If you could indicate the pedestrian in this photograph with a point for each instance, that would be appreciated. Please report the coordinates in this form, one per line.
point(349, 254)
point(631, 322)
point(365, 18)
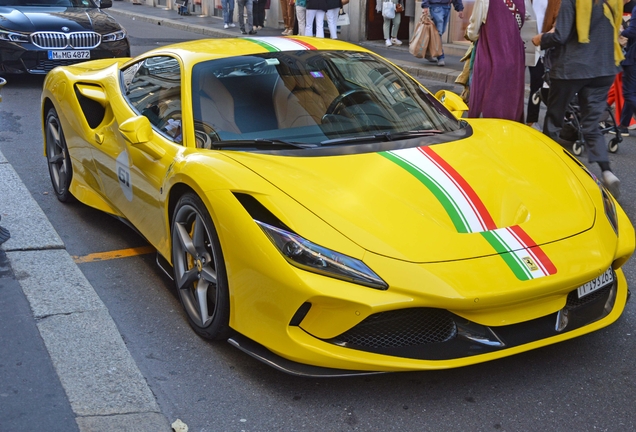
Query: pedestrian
point(316, 10)
point(287, 9)
point(584, 61)
point(391, 26)
point(629, 76)
point(439, 11)
point(259, 14)
point(497, 84)
point(249, 5)
point(301, 16)
point(228, 13)
point(333, 8)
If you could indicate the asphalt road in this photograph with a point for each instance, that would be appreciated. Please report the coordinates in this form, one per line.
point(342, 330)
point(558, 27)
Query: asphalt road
point(581, 385)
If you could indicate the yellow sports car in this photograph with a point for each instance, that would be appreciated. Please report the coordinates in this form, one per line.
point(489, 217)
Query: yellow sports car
point(328, 215)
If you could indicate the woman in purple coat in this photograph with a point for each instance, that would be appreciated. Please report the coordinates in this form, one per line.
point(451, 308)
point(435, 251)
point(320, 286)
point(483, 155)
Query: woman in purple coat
point(497, 83)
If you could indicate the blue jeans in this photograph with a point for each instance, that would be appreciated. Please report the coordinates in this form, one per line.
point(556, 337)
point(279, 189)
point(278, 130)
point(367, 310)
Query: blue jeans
point(228, 11)
point(242, 5)
point(440, 14)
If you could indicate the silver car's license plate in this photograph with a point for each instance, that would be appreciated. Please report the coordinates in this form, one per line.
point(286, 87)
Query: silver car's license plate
point(603, 280)
point(69, 55)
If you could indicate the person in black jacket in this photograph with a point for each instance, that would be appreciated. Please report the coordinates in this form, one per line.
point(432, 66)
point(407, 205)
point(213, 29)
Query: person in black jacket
point(583, 65)
point(629, 75)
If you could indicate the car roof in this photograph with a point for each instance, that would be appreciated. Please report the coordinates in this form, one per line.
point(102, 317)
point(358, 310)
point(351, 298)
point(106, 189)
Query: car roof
point(206, 49)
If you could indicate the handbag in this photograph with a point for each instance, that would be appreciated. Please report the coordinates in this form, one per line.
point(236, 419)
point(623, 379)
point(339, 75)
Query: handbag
point(399, 7)
point(388, 9)
point(425, 40)
point(343, 18)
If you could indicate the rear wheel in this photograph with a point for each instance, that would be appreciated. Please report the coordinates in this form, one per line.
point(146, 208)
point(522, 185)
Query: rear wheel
point(577, 148)
point(199, 269)
point(58, 158)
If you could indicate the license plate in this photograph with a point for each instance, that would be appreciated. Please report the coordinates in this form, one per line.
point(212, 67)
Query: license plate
point(596, 284)
point(70, 55)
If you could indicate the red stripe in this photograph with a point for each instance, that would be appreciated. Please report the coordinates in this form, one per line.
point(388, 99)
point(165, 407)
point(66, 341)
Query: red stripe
point(463, 184)
point(532, 247)
point(303, 43)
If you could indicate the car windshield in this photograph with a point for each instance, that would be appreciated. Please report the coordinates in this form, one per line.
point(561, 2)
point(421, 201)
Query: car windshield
point(49, 3)
point(310, 97)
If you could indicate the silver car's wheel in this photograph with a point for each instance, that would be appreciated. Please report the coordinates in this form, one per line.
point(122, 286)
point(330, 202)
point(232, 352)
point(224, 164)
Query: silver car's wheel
point(58, 158)
point(199, 269)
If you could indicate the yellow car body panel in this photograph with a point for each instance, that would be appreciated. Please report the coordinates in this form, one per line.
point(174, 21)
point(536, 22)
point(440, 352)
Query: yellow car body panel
point(364, 205)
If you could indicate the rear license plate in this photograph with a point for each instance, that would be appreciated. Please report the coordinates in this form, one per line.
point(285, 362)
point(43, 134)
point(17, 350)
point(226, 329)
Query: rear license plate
point(596, 284)
point(70, 55)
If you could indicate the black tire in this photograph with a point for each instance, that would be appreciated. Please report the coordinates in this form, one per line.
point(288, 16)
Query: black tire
point(612, 145)
point(58, 158)
point(199, 269)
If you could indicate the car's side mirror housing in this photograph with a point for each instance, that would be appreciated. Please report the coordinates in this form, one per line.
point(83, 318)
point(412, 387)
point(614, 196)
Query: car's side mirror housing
point(103, 4)
point(453, 102)
point(138, 132)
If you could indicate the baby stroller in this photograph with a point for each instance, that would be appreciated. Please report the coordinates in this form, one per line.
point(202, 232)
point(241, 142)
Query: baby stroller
point(572, 131)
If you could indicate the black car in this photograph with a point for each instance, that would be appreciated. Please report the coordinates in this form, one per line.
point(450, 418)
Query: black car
point(38, 35)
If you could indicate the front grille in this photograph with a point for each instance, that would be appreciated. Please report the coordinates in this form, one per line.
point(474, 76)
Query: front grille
point(57, 40)
point(574, 301)
point(401, 328)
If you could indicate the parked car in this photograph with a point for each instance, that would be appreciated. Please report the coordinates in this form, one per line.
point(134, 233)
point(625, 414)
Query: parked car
point(38, 35)
point(325, 213)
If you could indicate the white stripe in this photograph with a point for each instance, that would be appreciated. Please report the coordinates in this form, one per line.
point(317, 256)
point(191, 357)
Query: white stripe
point(426, 165)
point(281, 43)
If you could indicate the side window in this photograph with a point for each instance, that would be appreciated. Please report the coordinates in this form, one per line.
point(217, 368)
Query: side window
point(153, 88)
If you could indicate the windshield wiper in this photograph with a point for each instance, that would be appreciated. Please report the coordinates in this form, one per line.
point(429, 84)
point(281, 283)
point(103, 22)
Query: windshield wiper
point(260, 144)
point(382, 137)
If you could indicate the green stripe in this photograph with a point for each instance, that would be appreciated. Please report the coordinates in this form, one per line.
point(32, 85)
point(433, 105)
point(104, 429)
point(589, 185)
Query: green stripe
point(461, 225)
point(267, 46)
point(517, 267)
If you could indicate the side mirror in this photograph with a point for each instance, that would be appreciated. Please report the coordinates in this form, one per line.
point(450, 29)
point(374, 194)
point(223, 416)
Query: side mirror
point(138, 132)
point(453, 102)
point(103, 4)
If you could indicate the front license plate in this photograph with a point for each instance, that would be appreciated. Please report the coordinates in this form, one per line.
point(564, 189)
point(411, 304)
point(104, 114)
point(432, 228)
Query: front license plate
point(596, 284)
point(70, 55)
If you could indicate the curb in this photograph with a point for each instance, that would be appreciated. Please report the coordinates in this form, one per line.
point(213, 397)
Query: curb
point(102, 382)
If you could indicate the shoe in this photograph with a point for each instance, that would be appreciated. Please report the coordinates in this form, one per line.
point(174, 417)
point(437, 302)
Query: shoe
point(258, 27)
point(396, 41)
point(632, 126)
point(226, 26)
point(232, 25)
point(287, 31)
point(611, 182)
point(243, 32)
point(252, 32)
point(388, 42)
point(440, 62)
point(430, 58)
point(623, 131)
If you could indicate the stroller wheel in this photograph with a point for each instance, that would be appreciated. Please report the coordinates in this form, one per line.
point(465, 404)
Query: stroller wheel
point(577, 148)
point(612, 145)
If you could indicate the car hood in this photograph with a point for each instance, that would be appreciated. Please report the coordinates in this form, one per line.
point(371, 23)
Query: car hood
point(32, 19)
point(409, 210)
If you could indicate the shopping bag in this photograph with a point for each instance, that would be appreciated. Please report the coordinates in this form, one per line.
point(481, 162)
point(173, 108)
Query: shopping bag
point(388, 9)
point(425, 40)
point(343, 19)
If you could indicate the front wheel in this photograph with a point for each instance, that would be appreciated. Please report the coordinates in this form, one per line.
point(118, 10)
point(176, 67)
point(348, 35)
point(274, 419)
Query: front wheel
point(577, 148)
point(199, 269)
point(58, 158)
point(612, 145)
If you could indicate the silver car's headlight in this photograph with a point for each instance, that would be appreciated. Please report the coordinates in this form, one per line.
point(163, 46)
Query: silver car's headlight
point(115, 36)
point(309, 256)
point(14, 36)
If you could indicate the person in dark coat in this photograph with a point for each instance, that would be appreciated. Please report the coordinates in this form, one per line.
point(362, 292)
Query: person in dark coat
point(584, 63)
point(629, 75)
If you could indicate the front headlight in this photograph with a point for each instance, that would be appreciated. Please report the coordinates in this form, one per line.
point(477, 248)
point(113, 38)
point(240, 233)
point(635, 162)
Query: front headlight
point(115, 36)
point(309, 256)
point(13, 36)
